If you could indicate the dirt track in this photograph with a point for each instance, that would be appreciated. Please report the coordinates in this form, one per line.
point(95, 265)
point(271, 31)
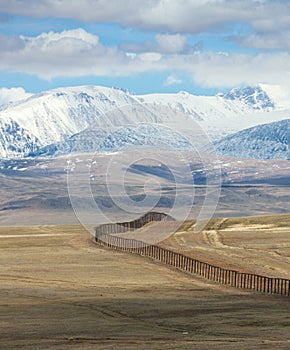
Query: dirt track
point(64, 292)
point(259, 245)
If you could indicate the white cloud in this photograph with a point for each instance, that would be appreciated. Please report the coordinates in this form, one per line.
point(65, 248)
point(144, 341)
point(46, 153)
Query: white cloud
point(88, 10)
point(187, 16)
point(268, 19)
point(266, 41)
point(171, 43)
point(279, 94)
point(163, 44)
point(69, 53)
point(232, 69)
point(78, 53)
point(172, 80)
point(150, 56)
point(12, 95)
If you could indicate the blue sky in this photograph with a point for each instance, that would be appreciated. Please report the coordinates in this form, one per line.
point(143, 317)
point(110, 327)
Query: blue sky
point(200, 46)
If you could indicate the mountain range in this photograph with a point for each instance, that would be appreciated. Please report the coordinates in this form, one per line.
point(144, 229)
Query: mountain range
point(245, 122)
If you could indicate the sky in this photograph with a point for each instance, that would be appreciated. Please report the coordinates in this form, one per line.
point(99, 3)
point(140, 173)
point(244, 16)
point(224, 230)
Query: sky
point(145, 46)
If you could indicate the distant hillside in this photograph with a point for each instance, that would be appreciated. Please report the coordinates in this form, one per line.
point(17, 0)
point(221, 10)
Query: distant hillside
point(267, 141)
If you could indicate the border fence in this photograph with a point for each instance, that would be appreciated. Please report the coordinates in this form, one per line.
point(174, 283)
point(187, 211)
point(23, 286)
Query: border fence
point(104, 236)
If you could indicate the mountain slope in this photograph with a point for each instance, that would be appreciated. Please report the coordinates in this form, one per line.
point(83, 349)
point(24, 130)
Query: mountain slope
point(16, 140)
point(268, 141)
point(223, 114)
point(55, 120)
point(102, 141)
point(58, 114)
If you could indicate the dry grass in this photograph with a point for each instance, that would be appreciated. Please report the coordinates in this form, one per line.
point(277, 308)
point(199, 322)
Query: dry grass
point(61, 291)
point(259, 245)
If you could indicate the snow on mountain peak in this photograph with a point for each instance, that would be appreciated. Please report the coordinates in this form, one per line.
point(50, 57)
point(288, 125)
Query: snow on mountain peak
point(253, 96)
point(54, 117)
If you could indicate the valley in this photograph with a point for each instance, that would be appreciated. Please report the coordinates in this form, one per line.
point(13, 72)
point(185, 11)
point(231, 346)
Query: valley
point(144, 175)
point(35, 192)
point(84, 159)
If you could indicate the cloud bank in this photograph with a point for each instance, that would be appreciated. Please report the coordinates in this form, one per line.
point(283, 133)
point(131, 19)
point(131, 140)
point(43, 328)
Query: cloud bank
point(76, 52)
point(12, 95)
point(267, 18)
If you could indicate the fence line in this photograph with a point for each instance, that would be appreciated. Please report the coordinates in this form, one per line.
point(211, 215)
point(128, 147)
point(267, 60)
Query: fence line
point(185, 263)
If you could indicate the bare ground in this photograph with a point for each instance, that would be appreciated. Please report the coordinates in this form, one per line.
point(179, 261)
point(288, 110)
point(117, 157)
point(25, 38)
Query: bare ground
point(61, 291)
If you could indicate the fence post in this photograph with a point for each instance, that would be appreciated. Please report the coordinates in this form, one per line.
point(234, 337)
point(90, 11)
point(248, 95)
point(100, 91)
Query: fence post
point(104, 237)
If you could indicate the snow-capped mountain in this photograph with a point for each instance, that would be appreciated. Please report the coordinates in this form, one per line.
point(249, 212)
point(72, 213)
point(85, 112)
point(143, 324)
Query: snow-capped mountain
point(55, 121)
point(255, 97)
point(15, 140)
point(223, 114)
point(268, 141)
point(102, 141)
point(55, 115)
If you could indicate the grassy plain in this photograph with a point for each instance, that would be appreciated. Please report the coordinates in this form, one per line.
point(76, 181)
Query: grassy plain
point(259, 245)
point(61, 291)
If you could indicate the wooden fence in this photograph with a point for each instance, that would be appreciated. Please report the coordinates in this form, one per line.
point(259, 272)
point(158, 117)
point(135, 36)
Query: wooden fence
point(132, 225)
point(184, 263)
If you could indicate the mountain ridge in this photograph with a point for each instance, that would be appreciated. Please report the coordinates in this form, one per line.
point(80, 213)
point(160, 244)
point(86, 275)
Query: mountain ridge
point(53, 117)
point(266, 141)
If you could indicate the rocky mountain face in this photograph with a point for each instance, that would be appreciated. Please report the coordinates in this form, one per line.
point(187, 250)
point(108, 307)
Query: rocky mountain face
point(93, 118)
point(255, 97)
point(15, 140)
